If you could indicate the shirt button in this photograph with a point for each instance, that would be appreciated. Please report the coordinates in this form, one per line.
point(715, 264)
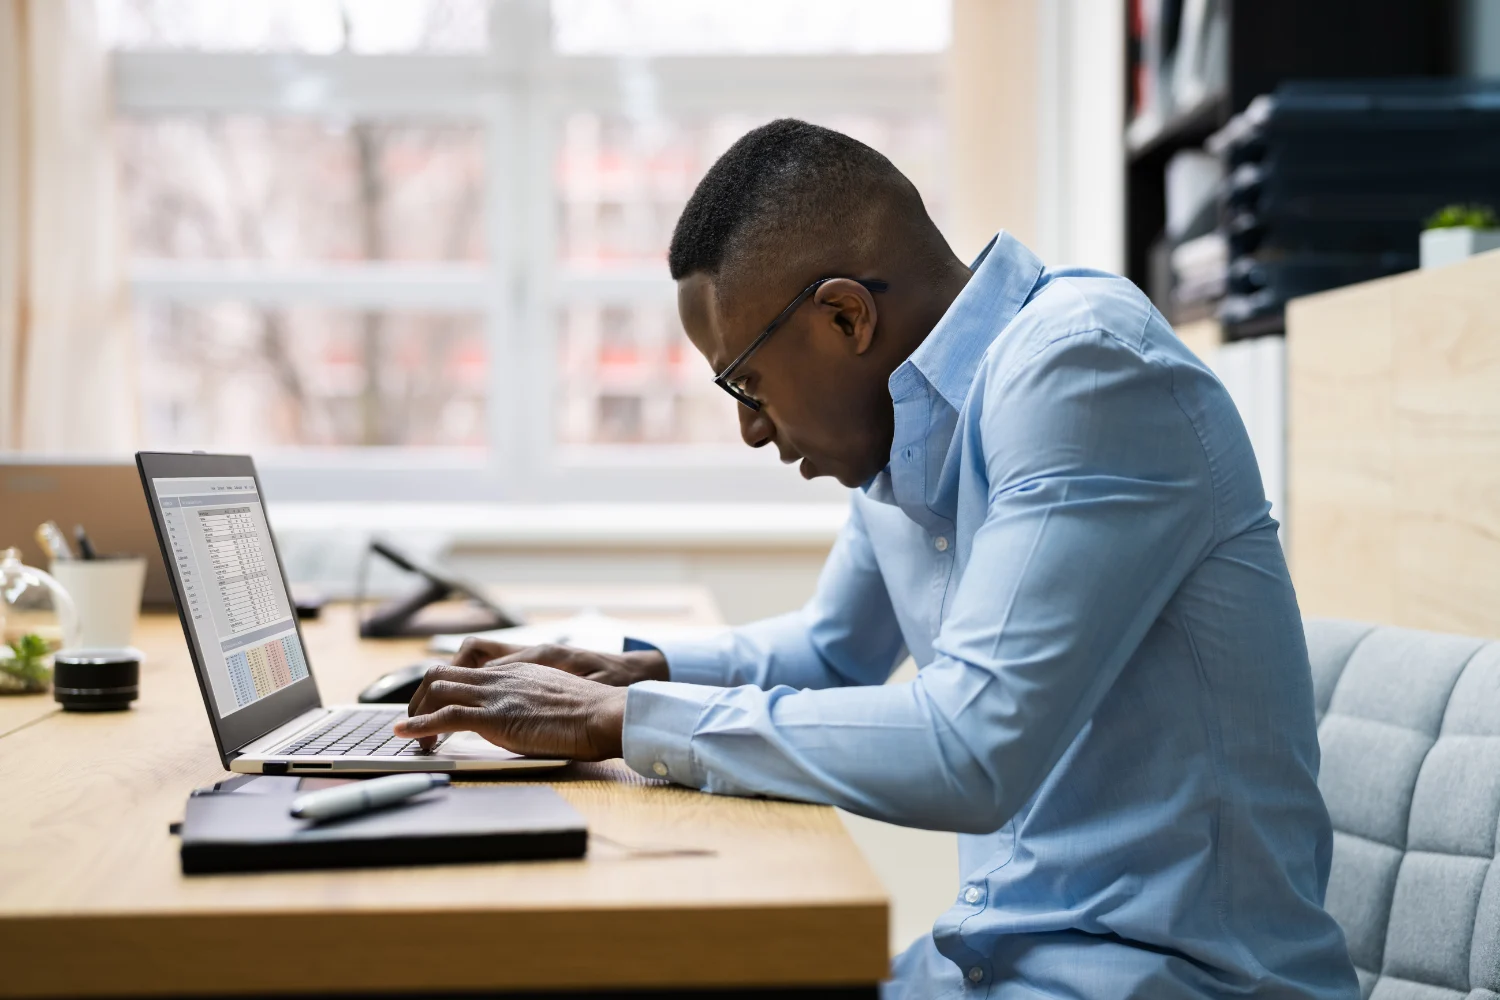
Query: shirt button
point(660, 769)
point(941, 544)
point(971, 895)
point(976, 974)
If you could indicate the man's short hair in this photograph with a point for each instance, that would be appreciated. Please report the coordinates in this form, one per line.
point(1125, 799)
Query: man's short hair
point(782, 192)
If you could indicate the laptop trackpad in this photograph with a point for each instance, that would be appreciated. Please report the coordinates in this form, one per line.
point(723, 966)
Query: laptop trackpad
point(472, 746)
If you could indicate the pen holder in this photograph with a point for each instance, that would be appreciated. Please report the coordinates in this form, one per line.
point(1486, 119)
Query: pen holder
point(107, 594)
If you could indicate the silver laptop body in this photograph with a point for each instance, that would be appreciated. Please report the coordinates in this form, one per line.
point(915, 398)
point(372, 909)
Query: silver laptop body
point(246, 643)
point(359, 738)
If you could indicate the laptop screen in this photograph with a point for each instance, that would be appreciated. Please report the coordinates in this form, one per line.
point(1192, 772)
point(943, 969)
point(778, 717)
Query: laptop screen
point(232, 586)
point(231, 594)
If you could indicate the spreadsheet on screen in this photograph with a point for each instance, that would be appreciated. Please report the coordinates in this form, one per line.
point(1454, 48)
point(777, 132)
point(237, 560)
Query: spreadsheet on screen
point(232, 587)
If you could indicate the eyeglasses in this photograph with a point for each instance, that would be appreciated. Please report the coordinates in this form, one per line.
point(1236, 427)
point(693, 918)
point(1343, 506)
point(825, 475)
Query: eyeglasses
point(725, 379)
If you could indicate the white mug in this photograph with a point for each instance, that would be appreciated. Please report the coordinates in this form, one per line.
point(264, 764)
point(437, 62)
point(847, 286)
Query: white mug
point(107, 594)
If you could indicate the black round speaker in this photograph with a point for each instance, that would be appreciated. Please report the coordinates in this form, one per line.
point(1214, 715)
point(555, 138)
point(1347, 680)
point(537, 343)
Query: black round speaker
point(96, 680)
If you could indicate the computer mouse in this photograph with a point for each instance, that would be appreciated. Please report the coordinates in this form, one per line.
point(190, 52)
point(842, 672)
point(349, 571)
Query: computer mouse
point(398, 686)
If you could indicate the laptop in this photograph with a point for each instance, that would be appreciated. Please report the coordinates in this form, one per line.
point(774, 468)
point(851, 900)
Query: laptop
point(102, 495)
point(253, 669)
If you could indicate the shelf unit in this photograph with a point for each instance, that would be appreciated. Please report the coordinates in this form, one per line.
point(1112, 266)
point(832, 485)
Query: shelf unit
point(1268, 42)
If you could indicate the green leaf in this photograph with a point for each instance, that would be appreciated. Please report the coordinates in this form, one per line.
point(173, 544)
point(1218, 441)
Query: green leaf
point(1464, 216)
point(27, 663)
point(30, 646)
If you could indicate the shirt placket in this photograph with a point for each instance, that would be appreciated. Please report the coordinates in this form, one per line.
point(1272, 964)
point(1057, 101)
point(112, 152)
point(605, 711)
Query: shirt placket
point(909, 472)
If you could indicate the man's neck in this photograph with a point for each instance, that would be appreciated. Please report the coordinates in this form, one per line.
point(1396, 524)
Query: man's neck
point(937, 294)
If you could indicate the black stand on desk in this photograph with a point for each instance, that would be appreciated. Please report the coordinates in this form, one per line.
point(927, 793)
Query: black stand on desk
point(403, 616)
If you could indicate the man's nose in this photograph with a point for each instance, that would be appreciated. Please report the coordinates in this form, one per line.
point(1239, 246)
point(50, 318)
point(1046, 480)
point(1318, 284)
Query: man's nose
point(755, 427)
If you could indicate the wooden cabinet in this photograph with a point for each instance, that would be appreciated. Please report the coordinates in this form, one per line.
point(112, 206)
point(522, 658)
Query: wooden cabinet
point(1394, 449)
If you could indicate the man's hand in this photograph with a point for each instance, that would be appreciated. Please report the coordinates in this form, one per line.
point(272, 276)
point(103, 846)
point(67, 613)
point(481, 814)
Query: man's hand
point(526, 708)
point(616, 669)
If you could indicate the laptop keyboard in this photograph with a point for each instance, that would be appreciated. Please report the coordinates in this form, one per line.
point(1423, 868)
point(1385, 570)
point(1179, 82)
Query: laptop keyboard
point(356, 734)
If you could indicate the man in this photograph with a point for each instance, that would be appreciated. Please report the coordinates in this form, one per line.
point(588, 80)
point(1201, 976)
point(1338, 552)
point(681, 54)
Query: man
point(1057, 513)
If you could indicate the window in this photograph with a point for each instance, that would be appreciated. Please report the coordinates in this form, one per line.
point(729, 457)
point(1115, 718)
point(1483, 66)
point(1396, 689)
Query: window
point(308, 26)
point(252, 376)
point(375, 237)
point(264, 188)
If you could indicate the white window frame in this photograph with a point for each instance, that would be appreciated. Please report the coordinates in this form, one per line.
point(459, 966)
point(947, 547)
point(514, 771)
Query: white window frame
point(518, 90)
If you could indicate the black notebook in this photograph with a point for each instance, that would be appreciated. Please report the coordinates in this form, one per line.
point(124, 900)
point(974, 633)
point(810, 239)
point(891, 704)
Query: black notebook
point(241, 826)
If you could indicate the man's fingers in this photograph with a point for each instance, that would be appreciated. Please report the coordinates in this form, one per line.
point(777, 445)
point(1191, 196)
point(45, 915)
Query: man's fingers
point(564, 658)
point(441, 693)
point(441, 672)
point(438, 693)
point(477, 652)
point(528, 654)
point(448, 719)
point(451, 672)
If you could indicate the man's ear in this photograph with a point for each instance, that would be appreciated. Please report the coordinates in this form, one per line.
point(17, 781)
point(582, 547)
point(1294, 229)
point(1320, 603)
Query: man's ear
point(851, 308)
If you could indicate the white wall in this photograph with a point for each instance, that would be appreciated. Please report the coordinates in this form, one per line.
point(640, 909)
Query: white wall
point(1036, 120)
point(1254, 372)
point(1479, 37)
point(1080, 129)
point(992, 122)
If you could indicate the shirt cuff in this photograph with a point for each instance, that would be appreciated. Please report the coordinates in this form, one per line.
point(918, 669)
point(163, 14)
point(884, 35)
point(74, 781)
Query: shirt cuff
point(660, 718)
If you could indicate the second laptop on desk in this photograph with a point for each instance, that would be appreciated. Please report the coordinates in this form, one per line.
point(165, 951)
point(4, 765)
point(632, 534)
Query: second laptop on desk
point(246, 645)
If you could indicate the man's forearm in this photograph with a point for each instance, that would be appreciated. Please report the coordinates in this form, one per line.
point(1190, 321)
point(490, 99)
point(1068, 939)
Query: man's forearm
point(879, 751)
point(775, 651)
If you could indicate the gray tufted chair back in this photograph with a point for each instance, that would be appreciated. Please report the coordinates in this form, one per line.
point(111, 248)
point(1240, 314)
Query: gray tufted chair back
point(1409, 724)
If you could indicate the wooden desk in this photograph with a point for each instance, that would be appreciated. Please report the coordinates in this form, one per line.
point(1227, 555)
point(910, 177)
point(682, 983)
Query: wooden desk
point(92, 902)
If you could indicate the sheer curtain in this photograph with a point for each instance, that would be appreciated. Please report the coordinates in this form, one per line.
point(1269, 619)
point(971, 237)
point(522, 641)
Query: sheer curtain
point(68, 373)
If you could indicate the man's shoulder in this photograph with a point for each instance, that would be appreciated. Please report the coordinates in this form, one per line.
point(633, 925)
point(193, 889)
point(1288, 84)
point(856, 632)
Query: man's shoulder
point(1079, 325)
point(1067, 306)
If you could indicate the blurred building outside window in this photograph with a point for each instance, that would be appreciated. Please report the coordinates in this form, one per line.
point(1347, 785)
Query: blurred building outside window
point(380, 237)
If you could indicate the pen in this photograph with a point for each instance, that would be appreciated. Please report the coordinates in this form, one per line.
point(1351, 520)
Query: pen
point(50, 537)
point(363, 796)
point(85, 545)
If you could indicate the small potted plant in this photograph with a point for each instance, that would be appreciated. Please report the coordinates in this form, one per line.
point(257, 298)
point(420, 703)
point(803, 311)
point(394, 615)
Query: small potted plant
point(23, 665)
point(1458, 232)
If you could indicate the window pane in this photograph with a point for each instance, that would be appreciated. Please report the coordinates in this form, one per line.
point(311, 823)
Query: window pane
point(623, 183)
point(234, 376)
point(314, 26)
point(697, 27)
point(629, 376)
point(282, 189)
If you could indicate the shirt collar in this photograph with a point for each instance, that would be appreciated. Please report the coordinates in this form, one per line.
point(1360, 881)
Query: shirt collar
point(1004, 275)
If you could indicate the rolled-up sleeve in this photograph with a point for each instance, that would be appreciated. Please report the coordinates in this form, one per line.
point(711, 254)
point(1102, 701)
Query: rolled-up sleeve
point(1100, 502)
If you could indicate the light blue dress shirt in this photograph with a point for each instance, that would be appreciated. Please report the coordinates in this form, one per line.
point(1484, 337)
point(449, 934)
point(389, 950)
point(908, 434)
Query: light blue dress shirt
point(1113, 703)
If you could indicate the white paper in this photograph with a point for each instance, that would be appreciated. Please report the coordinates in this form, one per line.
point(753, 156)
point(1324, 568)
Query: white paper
point(600, 633)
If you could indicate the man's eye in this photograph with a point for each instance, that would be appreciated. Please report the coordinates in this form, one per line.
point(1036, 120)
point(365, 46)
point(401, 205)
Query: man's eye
point(742, 384)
